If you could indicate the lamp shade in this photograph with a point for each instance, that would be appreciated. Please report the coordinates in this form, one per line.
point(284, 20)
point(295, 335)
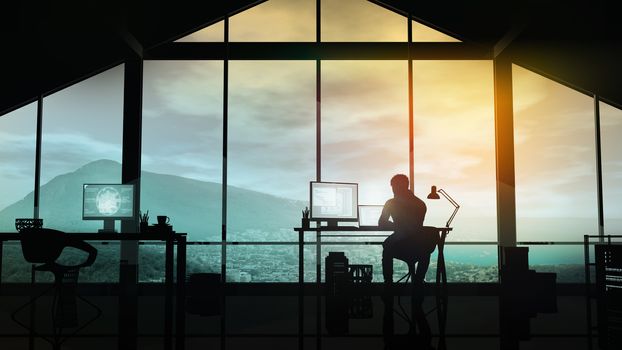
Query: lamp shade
point(433, 194)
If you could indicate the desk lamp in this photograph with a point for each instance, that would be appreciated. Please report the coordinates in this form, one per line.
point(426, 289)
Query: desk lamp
point(434, 195)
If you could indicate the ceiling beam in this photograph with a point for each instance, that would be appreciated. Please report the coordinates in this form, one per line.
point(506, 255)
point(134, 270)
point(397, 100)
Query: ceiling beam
point(508, 38)
point(319, 51)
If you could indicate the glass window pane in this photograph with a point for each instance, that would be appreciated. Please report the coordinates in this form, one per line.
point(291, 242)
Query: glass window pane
point(554, 160)
point(363, 255)
point(81, 143)
point(203, 259)
point(469, 263)
point(423, 33)
point(567, 261)
point(15, 269)
point(275, 20)
point(611, 143)
point(182, 145)
point(199, 259)
point(105, 269)
point(262, 263)
point(361, 20)
point(365, 125)
point(455, 145)
point(212, 33)
point(463, 263)
point(151, 259)
point(18, 132)
point(271, 155)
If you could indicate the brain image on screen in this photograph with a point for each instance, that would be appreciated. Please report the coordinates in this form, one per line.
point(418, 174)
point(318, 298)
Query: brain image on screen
point(108, 201)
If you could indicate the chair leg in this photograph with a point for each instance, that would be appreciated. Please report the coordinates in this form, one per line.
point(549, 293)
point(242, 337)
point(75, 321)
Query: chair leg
point(31, 303)
point(33, 310)
point(61, 338)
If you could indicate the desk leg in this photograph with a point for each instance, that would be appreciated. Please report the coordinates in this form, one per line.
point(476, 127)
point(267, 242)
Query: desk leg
point(168, 299)
point(1, 256)
point(441, 275)
point(301, 279)
point(301, 267)
point(318, 257)
point(180, 307)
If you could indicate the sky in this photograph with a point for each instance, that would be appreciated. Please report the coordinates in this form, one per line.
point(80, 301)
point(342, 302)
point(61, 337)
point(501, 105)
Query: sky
point(17, 154)
point(364, 124)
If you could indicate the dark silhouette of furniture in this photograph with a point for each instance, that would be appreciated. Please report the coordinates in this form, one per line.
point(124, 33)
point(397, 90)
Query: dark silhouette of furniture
point(204, 293)
point(174, 289)
point(358, 232)
point(523, 294)
point(337, 293)
point(421, 245)
point(347, 288)
point(607, 288)
point(43, 247)
point(361, 306)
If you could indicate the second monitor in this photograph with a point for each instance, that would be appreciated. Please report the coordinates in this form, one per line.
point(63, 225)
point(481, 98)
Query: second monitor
point(333, 202)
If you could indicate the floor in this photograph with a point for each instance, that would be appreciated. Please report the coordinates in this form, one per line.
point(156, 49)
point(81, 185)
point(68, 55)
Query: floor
point(319, 322)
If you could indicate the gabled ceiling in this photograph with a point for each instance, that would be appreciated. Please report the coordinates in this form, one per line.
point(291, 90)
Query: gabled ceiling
point(48, 45)
point(577, 43)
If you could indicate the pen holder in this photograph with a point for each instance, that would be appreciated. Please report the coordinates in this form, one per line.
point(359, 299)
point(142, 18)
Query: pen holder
point(144, 227)
point(305, 222)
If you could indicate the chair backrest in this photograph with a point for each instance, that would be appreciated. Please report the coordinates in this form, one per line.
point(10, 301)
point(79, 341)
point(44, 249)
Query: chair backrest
point(41, 245)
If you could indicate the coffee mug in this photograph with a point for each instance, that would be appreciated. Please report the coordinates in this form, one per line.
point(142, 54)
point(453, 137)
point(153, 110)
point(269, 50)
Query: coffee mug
point(163, 219)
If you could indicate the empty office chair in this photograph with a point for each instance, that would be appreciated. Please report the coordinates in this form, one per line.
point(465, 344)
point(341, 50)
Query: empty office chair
point(43, 247)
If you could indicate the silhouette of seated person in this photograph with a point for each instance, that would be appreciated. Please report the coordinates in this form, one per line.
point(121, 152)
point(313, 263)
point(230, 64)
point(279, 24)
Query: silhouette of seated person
point(407, 213)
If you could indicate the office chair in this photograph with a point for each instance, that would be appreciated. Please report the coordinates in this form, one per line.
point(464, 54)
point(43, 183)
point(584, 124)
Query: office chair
point(44, 246)
point(421, 245)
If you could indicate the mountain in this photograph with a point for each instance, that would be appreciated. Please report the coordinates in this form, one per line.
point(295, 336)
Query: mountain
point(193, 206)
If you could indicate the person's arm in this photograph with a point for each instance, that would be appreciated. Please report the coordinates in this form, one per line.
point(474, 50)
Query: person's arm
point(383, 221)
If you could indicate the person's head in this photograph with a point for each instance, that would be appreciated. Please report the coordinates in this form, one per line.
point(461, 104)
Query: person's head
point(400, 184)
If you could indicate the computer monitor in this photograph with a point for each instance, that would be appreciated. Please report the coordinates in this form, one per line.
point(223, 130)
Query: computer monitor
point(107, 202)
point(369, 215)
point(333, 202)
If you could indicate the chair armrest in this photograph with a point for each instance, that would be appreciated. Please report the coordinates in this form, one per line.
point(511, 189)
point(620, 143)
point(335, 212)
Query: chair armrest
point(86, 247)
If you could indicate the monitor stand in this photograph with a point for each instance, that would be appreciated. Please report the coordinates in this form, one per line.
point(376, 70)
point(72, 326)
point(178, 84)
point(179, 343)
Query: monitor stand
point(332, 223)
point(108, 226)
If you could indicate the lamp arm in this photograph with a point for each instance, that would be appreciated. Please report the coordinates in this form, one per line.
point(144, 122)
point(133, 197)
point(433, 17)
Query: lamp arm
point(451, 218)
point(453, 202)
point(448, 197)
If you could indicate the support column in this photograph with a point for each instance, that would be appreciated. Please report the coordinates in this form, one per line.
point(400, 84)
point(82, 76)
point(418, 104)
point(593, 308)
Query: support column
point(411, 123)
point(504, 146)
point(225, 152)
point(37, 184)
point(599, 170)
point(130, 174)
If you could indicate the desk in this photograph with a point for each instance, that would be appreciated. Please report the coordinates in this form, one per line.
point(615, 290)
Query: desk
point(440, 262)
point(170, 239)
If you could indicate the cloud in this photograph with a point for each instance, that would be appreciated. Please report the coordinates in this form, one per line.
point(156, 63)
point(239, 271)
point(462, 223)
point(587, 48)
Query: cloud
point(66, 152)
point(275, 20)
point(188, 88)
point(352, 20)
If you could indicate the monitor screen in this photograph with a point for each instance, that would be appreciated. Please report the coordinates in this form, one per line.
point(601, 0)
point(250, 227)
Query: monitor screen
point(334, 201)
point(107, 201)
point(369, 214)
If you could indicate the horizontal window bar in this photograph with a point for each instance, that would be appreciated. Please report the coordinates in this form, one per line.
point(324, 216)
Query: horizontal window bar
point(320, 51)
point(15, 242)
